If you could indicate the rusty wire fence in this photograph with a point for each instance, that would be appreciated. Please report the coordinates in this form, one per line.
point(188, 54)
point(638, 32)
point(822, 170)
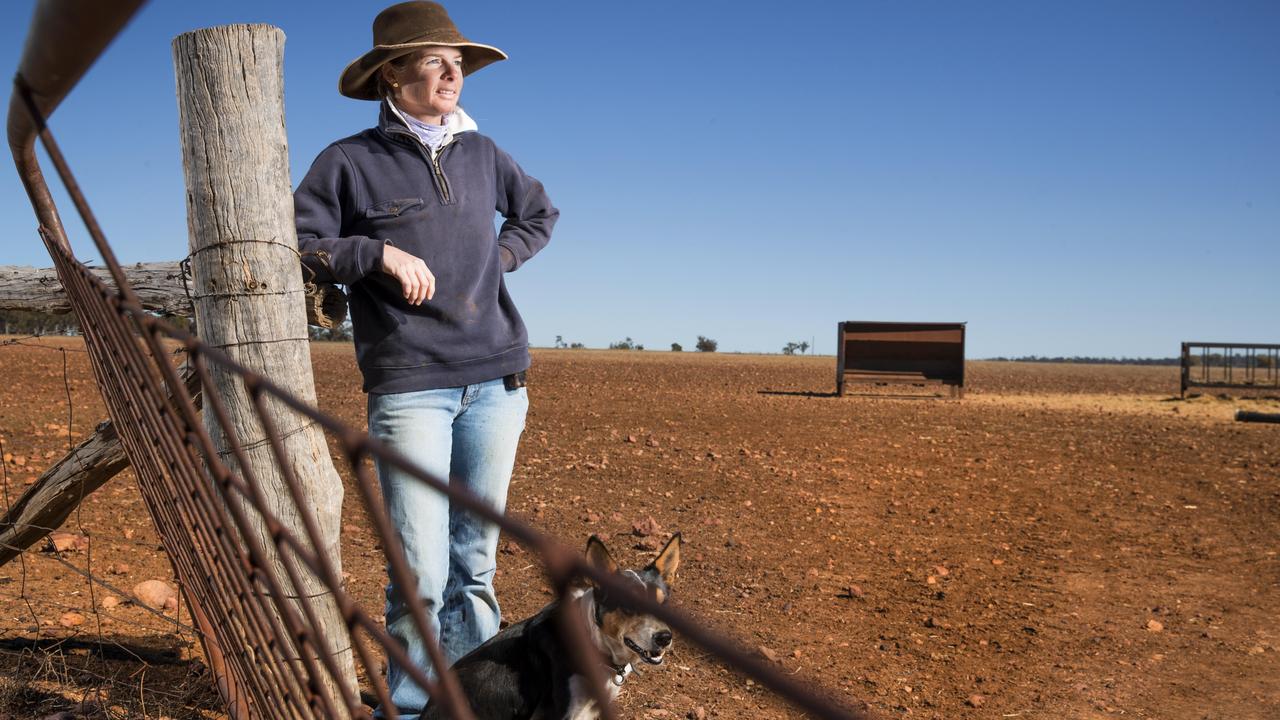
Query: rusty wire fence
point(71, 623)
point(265, 650)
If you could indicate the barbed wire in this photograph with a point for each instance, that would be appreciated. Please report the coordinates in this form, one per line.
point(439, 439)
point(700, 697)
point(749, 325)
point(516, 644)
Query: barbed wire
point(22, 341)
point(115, 542)
point(84, 532)
point(128, 595)
point(174, 624)
point(88, 551)
point(4, 470)
point(115, 617)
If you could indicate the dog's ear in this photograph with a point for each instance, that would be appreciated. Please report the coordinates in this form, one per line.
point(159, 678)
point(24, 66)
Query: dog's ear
point(668, 560)
point(598, 556)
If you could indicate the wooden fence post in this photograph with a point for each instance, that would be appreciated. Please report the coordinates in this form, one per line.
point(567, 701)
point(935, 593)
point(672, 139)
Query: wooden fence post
point(248, 285)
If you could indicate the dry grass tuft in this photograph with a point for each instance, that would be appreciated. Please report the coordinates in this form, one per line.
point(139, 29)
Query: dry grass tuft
point(92, 681)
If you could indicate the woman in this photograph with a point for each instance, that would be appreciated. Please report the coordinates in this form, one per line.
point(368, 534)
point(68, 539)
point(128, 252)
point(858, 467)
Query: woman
point(403, 214)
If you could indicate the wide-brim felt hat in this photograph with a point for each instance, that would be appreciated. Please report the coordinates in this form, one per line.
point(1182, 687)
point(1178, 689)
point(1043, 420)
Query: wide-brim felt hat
point(400, 30)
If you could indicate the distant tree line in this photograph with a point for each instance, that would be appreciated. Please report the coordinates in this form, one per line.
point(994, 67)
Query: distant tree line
point(1234, 360)
point(26, 322)
point(704, 344)
point(1197, 359)
point(1090, 360)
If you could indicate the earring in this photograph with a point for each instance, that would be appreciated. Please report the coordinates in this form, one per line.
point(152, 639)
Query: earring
point(395, 84)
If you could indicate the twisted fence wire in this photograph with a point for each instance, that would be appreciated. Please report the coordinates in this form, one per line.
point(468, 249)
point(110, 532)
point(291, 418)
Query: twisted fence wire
point(266, 650)
point(79, 658)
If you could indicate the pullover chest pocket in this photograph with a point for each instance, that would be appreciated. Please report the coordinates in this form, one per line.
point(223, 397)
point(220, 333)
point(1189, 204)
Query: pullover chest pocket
point(393, 209)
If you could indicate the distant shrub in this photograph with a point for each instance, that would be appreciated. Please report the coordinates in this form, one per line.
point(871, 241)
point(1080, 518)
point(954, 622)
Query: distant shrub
point(792, 348)
point(675, 347)
point(706, 344)
point(625, 345)
point(341, 333)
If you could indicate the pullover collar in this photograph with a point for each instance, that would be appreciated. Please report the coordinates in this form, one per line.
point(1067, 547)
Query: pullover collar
point(432, 137)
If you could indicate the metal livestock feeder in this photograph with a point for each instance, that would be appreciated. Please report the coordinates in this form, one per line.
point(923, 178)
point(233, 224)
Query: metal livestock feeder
point(900, 352)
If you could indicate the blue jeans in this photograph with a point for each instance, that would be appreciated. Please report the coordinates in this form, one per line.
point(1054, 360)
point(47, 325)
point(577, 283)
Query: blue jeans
point(469, 436)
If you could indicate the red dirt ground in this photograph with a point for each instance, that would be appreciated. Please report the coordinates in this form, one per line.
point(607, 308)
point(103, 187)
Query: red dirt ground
point(1065, 542)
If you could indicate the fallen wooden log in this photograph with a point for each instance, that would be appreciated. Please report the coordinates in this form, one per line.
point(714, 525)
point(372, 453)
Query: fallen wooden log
point(48, 503)
point(1248, 416)
point(159, 287)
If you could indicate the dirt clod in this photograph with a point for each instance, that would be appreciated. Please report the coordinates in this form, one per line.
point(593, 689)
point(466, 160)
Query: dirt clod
point(646, 527)
point(154, 593)
point(67, 542)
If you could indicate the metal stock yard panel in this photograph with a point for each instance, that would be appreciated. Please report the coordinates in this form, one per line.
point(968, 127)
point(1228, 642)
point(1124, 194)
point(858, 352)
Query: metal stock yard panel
point(900, 352)
point(1240, 366)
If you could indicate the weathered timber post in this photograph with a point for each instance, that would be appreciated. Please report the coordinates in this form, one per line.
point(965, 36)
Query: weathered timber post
point(247, 285)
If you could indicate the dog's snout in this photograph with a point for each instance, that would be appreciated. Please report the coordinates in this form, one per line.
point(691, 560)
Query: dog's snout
point(662, 638)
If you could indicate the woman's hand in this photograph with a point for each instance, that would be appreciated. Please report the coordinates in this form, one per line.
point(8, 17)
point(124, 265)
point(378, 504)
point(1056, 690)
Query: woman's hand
point(415, 278)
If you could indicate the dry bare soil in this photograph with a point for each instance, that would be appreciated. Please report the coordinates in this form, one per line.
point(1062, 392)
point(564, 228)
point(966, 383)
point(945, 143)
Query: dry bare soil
point(1064, 542)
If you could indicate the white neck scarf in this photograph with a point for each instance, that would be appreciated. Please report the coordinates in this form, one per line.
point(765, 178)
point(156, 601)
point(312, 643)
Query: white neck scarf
point(433, 136)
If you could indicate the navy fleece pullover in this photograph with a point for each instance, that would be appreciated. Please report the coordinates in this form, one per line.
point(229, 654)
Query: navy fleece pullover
point(382, 186)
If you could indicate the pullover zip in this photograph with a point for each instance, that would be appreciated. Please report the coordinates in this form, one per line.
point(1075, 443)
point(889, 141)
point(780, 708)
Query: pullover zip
point(433, 159)
point(441, 181)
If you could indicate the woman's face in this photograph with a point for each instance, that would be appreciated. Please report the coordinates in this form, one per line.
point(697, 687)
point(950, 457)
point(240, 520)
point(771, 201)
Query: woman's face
point(430, 82)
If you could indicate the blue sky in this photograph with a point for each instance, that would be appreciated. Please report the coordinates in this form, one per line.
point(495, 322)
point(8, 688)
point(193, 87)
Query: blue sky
point(1073, 178)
